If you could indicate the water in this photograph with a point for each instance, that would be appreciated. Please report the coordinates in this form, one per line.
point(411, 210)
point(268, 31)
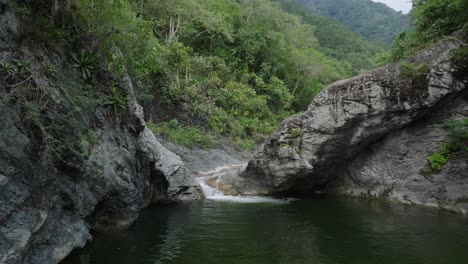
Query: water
point(318, 230)
point(212, 193)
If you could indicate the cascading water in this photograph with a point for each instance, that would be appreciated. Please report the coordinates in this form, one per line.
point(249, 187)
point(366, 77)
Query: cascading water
point(213, 193)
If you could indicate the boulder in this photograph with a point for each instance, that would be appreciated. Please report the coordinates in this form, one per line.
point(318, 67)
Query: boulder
point(308, 151)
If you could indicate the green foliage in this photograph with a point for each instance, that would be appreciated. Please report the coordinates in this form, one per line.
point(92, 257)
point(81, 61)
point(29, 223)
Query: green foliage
point(460, 60)
point(240, 100)
point(7, 68)
point(437, 161)
point(240, 66)
point(297, 132)
point(116, 99)
point(458, 128)
point(433, 20)
point(183, 135)
point(55, 129)
point(245, 144)
point(458, 141)
point(414, 71)
point(337, 41)
point(23, 66)
point(50, 69)
point(85, 63)
point(372, 20)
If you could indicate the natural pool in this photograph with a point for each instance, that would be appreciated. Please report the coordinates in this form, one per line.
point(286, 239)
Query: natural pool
point(315, 230)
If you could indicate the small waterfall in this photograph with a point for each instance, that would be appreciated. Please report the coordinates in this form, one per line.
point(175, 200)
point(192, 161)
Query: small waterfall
point(209, 191)
point(213, 193)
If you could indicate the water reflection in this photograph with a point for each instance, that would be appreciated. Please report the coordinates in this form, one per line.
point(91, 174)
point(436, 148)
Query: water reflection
point(318, 231)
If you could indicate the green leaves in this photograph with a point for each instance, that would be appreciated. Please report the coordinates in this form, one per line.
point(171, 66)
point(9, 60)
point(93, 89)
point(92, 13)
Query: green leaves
point(183, 135)
point(23, 66)
point(7, 68)
point(457, 142)
point(437, 161)
point(84, 62)
point(458, 130)
point(414, 71)
point(433, 20)
point(116, 99)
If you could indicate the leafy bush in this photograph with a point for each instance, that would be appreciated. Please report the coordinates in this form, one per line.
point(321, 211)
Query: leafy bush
point(183, 135)
point(116, 99)
point(433, 20)
point(458, 128)
point(85, 63)
point(23, 66)
point(460, 61)
point(297, 132)
point(437, 161)
point(246, 144)
point(414, 71)
point(7, 68)
point(458, 141)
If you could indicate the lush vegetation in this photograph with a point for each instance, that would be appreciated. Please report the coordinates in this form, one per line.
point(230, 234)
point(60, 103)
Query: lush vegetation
point(369, 19)
point(432, 20)
point(337, 41)
point(457, 142)
point(183, 135)
point(233, 68)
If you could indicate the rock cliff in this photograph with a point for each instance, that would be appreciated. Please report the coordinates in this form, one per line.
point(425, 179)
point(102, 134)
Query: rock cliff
point(49, 207)
point(367, 136)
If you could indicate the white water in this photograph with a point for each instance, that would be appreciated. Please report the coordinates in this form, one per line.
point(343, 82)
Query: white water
point(215, 194)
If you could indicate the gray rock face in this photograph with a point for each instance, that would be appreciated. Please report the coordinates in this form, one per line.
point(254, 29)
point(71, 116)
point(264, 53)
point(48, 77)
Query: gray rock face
point(392, 168)
point(308, 150)
point(8, 29)
point(180, 183)
point(45, 214)
point(47, 210)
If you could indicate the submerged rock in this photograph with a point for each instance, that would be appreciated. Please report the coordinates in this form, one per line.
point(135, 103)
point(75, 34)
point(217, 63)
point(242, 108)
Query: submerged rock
point(312, 150)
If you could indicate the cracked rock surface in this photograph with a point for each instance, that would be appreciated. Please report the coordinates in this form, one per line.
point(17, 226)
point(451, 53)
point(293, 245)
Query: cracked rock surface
point(328, 147)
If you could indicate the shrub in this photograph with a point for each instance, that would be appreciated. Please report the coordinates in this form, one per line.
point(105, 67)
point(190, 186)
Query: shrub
point(414, 71)
point(458, 128)
point(183, 135)
point(85, 63)
point(460, 61)
point(246, 144)
point(297, 132)
point(437, 161)
point(116, 99)
point(458, 138)
point(7, 68)
point(23, 66)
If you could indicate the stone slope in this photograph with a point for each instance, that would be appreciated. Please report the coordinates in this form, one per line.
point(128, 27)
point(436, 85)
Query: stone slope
point(308, 150)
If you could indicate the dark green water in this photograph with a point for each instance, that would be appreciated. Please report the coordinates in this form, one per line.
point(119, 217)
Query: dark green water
point(312, 231)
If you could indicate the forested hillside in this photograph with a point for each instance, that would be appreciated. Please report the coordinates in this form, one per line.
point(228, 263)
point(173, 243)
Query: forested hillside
point(337, 40)
point(433, 20)
point(232, 68)
point(371, 20)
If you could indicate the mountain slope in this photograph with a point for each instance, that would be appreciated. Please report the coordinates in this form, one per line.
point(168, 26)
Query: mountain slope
point(338, 41)
point(369, 19)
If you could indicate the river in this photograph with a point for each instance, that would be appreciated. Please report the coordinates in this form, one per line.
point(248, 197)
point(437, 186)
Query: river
point(316, 230)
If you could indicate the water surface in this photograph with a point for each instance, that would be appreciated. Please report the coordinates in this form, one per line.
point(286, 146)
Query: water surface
point(314, 231)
